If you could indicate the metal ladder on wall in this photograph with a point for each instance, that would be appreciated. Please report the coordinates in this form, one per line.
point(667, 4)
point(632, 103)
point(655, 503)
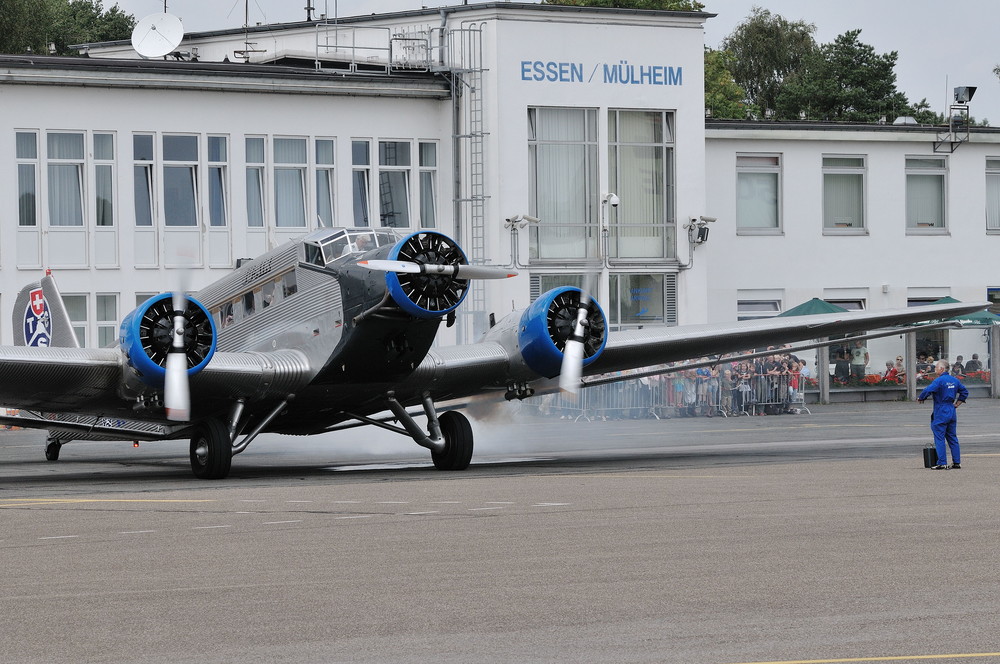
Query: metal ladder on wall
point(466, 52)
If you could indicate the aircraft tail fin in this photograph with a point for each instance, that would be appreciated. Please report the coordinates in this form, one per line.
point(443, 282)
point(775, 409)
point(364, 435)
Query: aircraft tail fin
point(40, 317)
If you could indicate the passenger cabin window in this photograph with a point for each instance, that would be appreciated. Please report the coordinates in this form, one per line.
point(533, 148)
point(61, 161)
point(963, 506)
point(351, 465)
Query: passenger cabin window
point(289, 285)
point(248, 305)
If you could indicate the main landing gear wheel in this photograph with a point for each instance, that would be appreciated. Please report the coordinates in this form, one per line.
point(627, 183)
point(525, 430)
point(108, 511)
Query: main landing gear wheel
point(211, 451)
point(52, 448)
point(457, 434)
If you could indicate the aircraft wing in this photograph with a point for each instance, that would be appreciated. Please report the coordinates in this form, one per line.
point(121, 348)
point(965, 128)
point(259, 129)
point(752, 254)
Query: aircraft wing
point(92, 381)
point(461, 371)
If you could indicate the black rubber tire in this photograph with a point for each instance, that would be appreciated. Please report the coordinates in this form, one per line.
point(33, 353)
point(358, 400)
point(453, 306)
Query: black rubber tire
point(215, 463)
point(457, 434)
point(52, 450)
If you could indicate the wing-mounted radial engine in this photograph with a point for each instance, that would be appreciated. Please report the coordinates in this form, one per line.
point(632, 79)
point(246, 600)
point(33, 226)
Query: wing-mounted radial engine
point(168, 334)
point(537, 338)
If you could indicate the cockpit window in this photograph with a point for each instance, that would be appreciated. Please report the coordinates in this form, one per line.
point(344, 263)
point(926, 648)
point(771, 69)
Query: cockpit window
point(314, 254)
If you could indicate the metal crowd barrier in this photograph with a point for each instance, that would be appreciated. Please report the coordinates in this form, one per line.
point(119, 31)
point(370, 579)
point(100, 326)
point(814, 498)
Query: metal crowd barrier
point(675, 395)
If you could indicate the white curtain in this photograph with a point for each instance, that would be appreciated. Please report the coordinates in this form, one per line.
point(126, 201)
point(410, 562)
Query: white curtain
point(103, 186)
point(180, 196)
point(428, 200)
point(289, 197)
point(142, 191)
point(924, 201)
point(26, 195)
point(993, 201)
point(217, 196)
point(324, 196)
point(757, 200)
point(255, 197)
point(65, 195)
point(843, 200)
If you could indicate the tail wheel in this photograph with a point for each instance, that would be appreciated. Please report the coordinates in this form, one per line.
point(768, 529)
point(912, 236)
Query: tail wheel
point(211, 451)
point(457, 434)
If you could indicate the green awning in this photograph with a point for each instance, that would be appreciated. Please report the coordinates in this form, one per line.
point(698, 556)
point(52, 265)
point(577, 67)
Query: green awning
point(813, 306)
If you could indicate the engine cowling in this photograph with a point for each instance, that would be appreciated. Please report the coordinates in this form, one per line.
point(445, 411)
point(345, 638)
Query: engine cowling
point(145, 337)
point(548, 323)
point(427, 295)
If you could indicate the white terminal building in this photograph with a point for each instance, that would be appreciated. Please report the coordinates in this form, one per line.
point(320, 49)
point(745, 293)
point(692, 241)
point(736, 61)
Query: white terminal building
point(563, 141)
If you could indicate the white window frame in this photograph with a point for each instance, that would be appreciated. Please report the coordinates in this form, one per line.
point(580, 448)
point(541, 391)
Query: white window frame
point(634, 235)
point(921, 166)
point(391, 176)
point(833, 225)
point(569, 210)
point(750, 164)
point(993, 195)
point(23, 164)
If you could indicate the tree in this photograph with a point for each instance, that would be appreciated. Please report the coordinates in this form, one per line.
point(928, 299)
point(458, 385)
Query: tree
point(671, 5)
point(723, 98)
point(844, 80)
point(766, 48)
point(36, 24)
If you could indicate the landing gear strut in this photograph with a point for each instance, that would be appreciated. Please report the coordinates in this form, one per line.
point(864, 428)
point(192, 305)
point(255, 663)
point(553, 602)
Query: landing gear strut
point(211, 450)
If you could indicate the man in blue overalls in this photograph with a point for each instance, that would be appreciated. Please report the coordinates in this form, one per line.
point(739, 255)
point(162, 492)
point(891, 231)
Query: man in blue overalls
point(948, 393)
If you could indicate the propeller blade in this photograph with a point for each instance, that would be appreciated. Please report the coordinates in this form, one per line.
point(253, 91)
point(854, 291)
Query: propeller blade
point(457, 271)
point(573, 352)
point(176, 392)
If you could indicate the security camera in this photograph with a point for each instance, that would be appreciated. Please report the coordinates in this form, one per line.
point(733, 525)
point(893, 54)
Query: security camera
point(614, 200)
point(707, 219)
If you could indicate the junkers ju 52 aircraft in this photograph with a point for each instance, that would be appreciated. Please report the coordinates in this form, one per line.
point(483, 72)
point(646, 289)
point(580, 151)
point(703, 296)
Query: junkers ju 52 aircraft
point(325, 333)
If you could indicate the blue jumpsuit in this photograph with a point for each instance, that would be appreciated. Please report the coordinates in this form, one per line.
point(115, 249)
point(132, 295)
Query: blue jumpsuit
point(945, 389)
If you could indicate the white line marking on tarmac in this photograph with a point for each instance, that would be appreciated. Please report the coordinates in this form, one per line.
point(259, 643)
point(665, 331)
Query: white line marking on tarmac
point(209, 527)
point(480, 509)
point(59, 537)
point(551, 504)
point(136, 532)
point(298, 501)
point(419, 513)
point(359, 516)
point(272, 523)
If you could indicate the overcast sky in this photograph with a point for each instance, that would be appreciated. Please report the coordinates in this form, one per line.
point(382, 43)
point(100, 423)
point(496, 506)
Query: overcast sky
point(939, 48)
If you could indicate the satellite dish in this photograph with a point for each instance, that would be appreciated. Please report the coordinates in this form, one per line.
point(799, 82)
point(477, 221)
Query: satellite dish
point(156, 35)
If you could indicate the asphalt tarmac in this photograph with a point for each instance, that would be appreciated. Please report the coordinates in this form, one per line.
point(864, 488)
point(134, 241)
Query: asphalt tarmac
point(806, 538)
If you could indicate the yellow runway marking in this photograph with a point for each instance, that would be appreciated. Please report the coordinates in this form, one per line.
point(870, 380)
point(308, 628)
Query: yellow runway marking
point(31, 502)
point(903, 658)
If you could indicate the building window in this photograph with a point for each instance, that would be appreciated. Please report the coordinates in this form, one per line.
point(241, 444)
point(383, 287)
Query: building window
point(758, 193)
point(641, 172)
point(637, 299)
point(752, 309)
point(428, 185)
point(104, 178)
point(993, 194)
point(255, 181)
point(65, 170)
point(180, 180)
point(925, 199)
point(563, 192)
point(360, 181)
point(107, 319)
point(325, 182)
point(843, 193)
point(394, 163)
point(76, 307)
point(290, 164)
point(26, 153)
point(142, 170)
point(218, 182)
